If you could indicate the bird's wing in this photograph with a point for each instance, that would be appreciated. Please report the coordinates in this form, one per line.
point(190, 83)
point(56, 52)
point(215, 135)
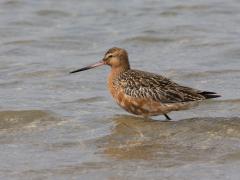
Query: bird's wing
point(141, 84)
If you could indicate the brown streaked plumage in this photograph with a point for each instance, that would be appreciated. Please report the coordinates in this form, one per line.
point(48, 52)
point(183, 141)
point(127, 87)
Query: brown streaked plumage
point(144, 93)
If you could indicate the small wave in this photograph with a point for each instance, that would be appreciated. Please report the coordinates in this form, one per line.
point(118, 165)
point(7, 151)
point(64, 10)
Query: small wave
point(42, 73)
point(204, 74)
point(52, 13)
point(14, 120)
point(191, 7)
point(87, 100)
point(20, 42)
point(9, 84)
point(150, 39)
point(230, 101)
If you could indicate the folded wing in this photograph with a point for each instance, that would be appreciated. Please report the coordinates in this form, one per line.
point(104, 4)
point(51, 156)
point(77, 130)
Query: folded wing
point(141, 84)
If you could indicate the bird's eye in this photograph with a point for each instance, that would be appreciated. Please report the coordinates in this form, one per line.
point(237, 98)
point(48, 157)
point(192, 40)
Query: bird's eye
point(110, 56)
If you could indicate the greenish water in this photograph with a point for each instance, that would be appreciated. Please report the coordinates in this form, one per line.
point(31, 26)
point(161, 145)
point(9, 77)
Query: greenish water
point(54, 125)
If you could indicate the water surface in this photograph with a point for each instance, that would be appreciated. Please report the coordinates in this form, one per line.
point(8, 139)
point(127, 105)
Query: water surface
point(60, 126)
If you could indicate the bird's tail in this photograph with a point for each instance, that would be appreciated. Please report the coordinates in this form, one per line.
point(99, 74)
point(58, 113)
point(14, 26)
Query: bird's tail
point(209, 95)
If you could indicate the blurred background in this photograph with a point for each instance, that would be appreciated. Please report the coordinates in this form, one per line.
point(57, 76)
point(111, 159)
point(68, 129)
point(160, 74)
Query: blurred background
point(54, 125)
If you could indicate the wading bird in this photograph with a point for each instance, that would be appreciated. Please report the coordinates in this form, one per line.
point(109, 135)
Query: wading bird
point(143, 93)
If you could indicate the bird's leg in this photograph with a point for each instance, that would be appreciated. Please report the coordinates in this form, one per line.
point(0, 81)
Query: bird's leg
point(167, 117)
point(147, 118)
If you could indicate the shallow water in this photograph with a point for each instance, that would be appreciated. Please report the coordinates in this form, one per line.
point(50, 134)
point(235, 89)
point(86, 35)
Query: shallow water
point(59, 126)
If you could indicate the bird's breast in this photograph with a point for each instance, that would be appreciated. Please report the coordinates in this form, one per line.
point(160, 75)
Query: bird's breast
point(138, 106)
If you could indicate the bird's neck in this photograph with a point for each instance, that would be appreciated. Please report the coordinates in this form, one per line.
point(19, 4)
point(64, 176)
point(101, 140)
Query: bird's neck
point(113, 76)
point(116, 71)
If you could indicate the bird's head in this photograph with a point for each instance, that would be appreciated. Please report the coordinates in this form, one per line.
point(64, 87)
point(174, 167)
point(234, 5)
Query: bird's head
point(114, 57)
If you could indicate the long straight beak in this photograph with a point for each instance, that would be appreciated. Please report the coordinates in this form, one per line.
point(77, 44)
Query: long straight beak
point(100, 63)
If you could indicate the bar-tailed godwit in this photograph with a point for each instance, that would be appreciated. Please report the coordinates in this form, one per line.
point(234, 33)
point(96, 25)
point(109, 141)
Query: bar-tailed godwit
point(143, 93)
